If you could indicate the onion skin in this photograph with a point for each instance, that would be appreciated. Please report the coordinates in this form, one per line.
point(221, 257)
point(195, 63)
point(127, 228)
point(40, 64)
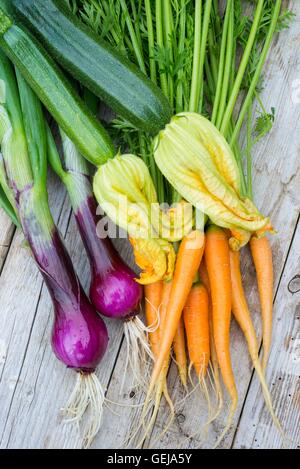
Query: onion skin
point(117, 295)
point(113, 291)
point(79, 338)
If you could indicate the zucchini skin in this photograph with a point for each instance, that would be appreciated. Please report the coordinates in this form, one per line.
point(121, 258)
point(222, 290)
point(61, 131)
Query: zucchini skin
point(57, 95)
point(96, 64)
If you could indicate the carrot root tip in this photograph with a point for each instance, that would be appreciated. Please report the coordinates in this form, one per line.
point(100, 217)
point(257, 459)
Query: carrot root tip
point(230, 417)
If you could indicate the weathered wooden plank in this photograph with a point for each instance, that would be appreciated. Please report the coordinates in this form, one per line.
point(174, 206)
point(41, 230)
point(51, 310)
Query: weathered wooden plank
point(255, 428)
point(276, 182)
point(6, 234)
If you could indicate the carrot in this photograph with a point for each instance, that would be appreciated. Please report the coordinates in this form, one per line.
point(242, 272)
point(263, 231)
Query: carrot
point(214, 359)
point(240, 308)
point(196, 322)
point(179, 340)
point(187, 264)
point(167, 287)
point(243, 317)
point(262, 257)
point(153, 299)
point(180, 352)
point(204, 276)
point(217, 260)
point(152, 405)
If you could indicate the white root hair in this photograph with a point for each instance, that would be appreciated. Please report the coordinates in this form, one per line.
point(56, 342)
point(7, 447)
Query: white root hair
point(87, 396)
point(138, 352)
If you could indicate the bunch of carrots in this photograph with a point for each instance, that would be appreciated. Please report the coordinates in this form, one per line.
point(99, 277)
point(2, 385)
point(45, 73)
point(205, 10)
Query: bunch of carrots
point(193, 54)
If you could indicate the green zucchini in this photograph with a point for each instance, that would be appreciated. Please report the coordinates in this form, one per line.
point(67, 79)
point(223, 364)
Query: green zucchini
point(96, 64)
point(57, 95)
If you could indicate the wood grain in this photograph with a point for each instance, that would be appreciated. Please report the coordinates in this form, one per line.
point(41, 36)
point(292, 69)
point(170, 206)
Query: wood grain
point(6, 235)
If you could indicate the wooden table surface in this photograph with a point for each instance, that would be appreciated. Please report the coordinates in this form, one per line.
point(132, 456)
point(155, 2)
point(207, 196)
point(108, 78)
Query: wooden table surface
point(34, 385)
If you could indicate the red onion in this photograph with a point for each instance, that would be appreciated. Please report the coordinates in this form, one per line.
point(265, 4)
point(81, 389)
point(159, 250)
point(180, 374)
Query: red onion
point(113, 291)
point(79, 335)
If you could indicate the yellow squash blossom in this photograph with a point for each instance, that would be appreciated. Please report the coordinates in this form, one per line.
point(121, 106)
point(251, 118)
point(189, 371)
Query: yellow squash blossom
point(124, 189)
point(175, 222)
point(196, 159)
point(156, 258)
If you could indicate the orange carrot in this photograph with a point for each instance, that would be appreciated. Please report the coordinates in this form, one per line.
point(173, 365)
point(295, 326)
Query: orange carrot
point(240, 307)
point(243, 317)
point(180, 352)
point(179, 341)
point(153, 299)
point(218, 266)
point(204, 276)
point(152, 405)
point(167, 287)
point(214, 359)
point(187, 264)
point(196, 321)
point(262, 257)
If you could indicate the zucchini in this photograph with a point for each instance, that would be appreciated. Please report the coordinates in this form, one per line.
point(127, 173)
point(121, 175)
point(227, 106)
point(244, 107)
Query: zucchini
point(52, 88)
point(96, 64)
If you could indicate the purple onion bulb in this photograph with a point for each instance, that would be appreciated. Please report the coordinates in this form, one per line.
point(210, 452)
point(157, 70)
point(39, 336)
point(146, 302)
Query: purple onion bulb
point(79, 336)
point(113, 291)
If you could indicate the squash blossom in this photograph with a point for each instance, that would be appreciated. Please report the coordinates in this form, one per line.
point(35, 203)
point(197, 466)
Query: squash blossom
point(125, 191)
point(197, 160)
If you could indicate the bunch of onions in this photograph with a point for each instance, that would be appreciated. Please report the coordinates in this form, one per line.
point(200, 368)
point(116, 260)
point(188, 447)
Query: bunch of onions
point(50, 85)
point(79, 335)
